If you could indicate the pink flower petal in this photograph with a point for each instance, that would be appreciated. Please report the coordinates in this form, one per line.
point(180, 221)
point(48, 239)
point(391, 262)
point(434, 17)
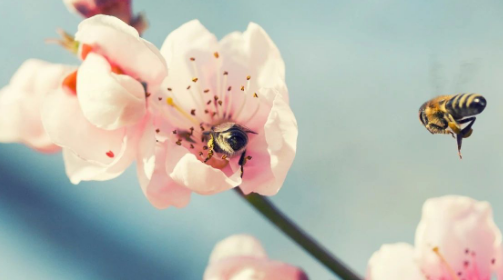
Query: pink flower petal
point(394, 262)
point(191, 40)
point(243, 257)
point(239, 245)
point(108, 100)
point(272, 150)
point(157, 186)
point(117, 41)
point(67, 127)
point(464, 232)
point(21, 102)
point(246, 268)
point(198, 176)
point(253, 53)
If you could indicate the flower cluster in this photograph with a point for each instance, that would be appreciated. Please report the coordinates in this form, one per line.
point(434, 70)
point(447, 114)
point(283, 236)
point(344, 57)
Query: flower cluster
point(456, 239)
point(219, 119)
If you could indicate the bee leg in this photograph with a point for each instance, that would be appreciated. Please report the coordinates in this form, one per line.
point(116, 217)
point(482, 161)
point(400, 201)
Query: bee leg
point(467, 131)
point(242, 162)
point(210, 149)
point(459, 138)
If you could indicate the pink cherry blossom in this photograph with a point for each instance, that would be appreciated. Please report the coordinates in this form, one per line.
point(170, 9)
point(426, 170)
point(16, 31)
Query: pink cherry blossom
point(242, 257)
point(456, 239)
point(98, 117)
point(121, 9)
point(21, 102)
point(236, 84)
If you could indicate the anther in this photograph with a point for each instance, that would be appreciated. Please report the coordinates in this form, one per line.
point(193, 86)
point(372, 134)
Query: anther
point(248, 78)
point(201, 154)
point(255, 95)
point(157, 130)
point(110, 154)
point(191, 146)
point(170, 102)
point(226, 73)
point(206, 111)
point(169, 89)
point(205, 148)
point(229, 88)
point(179, 142)
point(436, 250)
point(215, 97)
point(224, 157)
point(192, 59)
point(201, 127)
point(193, 112)
point(206, 90)
point(160, 98)
point(188, 87)
point(242, 88)
point(248, 157)
point(147, 94)
point(208, 103)
point(174, 131)
point(195, 79)
point(220, 102)
point(216, 55)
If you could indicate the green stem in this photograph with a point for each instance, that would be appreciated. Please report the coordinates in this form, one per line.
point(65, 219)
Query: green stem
point(275, 216)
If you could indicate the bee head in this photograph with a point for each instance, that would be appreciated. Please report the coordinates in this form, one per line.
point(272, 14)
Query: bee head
point(230, 138)
point(422, 115)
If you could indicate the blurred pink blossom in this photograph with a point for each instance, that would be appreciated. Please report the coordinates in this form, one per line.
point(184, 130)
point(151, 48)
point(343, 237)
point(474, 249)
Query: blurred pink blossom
point(21, 103)
point(99, 115)
point(456, 239)
point(237, 83)
point(241, 257)
point(121, 9)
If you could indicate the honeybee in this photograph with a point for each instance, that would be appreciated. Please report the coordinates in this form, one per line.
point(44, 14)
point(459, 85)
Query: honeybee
point(228, 139)
point(446, 114)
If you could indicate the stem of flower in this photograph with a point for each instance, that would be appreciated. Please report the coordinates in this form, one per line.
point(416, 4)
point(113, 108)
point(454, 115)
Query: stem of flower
point(275, 216)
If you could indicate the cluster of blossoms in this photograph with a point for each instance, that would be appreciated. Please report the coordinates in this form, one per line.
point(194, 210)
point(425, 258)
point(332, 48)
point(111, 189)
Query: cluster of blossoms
point(199, 115)
point(456, 239)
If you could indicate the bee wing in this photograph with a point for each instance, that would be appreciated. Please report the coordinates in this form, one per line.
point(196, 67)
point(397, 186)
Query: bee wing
point(467, 71)
point(437, 77)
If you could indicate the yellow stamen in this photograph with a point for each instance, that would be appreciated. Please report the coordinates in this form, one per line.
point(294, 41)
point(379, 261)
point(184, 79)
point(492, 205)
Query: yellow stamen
point(445, 263)
point(171, 103)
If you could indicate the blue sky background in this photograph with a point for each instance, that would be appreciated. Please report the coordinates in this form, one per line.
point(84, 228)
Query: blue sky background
point(357, 73)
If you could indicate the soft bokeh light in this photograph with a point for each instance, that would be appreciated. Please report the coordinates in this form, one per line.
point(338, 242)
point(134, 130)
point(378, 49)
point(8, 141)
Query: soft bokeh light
point(357, 72)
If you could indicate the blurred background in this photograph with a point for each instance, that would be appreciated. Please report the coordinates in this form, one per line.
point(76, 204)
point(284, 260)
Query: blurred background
point(357, 72)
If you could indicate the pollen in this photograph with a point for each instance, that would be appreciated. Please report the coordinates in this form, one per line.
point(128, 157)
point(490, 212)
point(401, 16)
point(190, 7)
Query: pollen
point(255, 95)
point(110, 154)
point(195, 79)
point(216, 55)
point(179, 142)
point(224, 157)
point(242, 88)
point(248, 77)
point(206, 90)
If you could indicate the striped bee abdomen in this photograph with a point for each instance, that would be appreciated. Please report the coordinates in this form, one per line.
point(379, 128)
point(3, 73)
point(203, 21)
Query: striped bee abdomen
point(465, 105)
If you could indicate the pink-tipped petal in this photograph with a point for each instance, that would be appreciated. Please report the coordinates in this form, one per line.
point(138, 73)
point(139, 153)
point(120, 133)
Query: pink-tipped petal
point(118, 41)
point(21, 102)
point(239, 245)
point(272, 151)
point(462, 232)
point(108, 100)
point(157, 186)
point(246, 268)
point(394, 262)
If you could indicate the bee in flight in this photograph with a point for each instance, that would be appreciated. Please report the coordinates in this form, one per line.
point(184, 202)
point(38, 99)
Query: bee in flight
point(446, 114)
point(228, 139)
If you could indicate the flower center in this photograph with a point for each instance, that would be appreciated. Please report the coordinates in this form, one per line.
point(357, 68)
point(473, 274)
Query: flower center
point(469, 266)
point(215, 127)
